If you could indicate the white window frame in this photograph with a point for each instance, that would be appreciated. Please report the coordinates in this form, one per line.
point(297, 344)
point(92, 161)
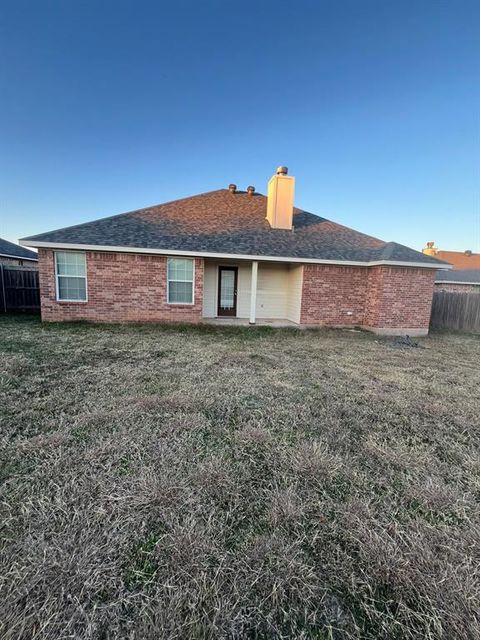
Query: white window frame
point(184, 304)
point(57, 276)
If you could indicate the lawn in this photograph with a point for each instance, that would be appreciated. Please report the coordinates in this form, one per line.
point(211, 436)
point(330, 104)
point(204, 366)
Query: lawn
point(161, 482)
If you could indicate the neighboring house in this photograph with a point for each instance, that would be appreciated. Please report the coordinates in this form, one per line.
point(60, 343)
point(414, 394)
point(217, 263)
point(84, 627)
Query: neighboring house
point(15, 255)
point(459, 280)
point(458, 259)
point(233, 254)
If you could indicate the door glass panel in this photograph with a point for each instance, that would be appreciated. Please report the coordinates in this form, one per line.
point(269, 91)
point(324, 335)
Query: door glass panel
point(227, 289)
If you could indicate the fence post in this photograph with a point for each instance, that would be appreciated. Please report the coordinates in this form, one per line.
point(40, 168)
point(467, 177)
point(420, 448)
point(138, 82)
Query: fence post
point(3, 289)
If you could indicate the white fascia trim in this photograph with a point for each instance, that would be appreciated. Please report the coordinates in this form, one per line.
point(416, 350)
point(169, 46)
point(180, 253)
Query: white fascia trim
point(6, 255)
point(226, 256)
point(420, 265)
point(456, 282)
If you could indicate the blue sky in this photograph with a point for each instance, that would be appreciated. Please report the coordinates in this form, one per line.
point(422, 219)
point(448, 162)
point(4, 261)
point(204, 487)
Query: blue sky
point(109, 106)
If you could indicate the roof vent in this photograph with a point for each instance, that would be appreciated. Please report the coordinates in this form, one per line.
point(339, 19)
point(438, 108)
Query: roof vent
point(250, 190)
point(232, 188)
point(282, 171)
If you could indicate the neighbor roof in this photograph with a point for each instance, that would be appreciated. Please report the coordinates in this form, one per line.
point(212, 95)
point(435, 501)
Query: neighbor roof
point(460, 259)
point(459, 276)
point(222, 222)
point(12, 250)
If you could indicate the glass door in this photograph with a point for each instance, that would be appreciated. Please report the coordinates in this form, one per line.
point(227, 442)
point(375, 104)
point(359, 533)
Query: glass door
point(227, 291)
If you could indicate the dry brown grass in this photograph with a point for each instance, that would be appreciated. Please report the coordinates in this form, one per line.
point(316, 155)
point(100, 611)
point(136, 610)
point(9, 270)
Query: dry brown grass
point(181, 483)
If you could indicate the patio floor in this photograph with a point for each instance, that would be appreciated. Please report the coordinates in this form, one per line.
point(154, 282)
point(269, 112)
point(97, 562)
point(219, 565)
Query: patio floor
point(243, 322)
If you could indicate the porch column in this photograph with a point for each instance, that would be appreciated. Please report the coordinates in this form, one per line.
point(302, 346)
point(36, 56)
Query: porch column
point(253, 291)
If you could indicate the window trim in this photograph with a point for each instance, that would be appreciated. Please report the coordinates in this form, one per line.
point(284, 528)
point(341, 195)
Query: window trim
point(181, 304)
point(57, 276)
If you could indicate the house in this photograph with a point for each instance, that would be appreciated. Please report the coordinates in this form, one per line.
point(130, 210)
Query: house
point(458, 259)
point(17, 256)
point(233, 254)
point(458, 280)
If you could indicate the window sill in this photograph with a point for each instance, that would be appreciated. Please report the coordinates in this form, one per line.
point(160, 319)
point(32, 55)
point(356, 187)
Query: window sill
point(181, 304)
point(72, 301)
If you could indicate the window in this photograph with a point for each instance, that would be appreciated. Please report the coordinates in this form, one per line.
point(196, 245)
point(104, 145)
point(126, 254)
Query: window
point(71, 275)
point(180, 281)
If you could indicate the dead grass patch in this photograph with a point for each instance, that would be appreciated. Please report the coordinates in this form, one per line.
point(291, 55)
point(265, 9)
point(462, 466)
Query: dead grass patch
point(179, 482)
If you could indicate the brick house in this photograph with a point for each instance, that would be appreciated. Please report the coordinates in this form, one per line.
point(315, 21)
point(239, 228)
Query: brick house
point(15, 256)
point(461, 260)
point(231, 254)
point(458, 281)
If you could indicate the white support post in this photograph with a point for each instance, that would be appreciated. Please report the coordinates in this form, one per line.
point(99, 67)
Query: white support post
point(253, 292)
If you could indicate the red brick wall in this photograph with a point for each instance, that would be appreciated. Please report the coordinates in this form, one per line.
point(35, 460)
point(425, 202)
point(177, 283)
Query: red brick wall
point(122, 287)
point(380, 297)
point(333, 295)
point(399, 297)
point(457, 288)
point(127, 287)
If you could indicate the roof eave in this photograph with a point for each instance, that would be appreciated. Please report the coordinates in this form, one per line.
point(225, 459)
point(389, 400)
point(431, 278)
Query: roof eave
point(233, 256)
point(477, 283)
point(8, 255)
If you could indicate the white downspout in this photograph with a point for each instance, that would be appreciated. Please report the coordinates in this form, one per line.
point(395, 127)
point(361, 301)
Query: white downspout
point(253, 292)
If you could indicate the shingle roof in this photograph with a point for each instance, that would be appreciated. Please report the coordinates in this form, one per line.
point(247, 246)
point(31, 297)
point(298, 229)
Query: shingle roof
point(16, 251)
point(459, 275)
point(460, 259)
point(231, 223)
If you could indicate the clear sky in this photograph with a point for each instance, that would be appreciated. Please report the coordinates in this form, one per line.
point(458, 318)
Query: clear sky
point(109, 106)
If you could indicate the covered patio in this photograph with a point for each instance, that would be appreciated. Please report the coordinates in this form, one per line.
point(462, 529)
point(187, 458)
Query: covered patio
point(252, 292)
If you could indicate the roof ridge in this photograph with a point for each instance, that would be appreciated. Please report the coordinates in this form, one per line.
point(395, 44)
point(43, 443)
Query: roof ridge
point(339, 224)
point(119, 215)
point(388, 249)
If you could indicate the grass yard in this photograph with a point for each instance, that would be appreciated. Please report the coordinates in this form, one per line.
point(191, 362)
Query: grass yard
point(161, 482)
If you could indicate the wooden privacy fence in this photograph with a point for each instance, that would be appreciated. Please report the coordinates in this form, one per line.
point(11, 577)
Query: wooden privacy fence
point(19, 289)
point(459, 311)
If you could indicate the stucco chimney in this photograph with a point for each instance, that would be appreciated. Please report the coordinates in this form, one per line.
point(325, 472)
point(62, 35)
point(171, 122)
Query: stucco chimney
point(430, 249)
point(281, 189)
